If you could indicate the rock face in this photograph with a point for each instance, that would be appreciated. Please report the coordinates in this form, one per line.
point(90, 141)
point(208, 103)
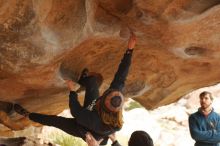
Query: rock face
point(42, 42)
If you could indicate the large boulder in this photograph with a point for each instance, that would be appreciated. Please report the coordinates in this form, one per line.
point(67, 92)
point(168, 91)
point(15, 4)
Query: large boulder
point(41, 42)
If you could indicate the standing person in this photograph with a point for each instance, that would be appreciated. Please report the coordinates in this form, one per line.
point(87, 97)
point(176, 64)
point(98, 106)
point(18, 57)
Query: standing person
point(100, 115)
point(138, 138)
point(204, 124)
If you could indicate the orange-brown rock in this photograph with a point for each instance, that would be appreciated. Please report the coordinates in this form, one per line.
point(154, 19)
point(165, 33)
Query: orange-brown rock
point(43, 41)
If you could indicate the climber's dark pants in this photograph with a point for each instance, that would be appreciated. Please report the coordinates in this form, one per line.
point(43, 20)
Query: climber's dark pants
point(69, 125)
point(92, 90)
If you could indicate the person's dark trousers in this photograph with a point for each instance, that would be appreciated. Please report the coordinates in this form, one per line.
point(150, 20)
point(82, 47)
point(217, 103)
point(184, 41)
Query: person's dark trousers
point(68, 125)
point(91, 89)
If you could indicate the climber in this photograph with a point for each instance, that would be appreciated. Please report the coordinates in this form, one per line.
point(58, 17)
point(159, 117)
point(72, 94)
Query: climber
point(99, 115)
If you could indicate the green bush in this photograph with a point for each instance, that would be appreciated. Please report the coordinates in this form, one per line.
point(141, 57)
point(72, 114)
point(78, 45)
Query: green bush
point(64, 139)
point(133, 105)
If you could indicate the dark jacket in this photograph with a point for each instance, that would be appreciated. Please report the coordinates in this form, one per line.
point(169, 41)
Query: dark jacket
point(90, 119)
point(205, 130)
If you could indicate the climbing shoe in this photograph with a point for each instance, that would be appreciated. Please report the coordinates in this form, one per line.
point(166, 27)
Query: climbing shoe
point(85, 73)
point(7, 107)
